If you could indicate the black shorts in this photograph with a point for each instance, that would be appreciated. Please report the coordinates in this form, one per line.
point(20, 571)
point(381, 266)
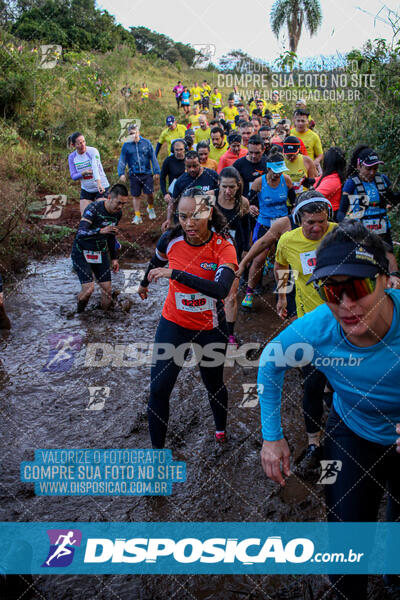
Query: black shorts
point(139, 182)
point(197, 102)
point(85, 270)
point(206, 102)
point(93, 195)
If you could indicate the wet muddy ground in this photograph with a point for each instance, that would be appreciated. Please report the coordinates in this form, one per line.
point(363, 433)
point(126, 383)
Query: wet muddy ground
point(42, 409)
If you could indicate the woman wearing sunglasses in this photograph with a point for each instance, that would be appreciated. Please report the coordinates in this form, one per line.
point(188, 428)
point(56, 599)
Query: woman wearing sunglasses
point(354, 339)
point(201, 268)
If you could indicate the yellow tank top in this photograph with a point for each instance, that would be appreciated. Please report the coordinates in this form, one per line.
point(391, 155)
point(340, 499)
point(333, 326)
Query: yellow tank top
point(297, 171)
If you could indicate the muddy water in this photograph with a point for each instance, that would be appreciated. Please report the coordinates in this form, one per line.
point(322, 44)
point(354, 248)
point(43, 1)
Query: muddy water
point(47, 409)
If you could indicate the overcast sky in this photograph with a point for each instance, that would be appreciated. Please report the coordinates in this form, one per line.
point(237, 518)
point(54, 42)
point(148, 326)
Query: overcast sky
point(231, 24)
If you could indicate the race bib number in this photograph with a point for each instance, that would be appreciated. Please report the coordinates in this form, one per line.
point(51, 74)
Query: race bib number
point(88, 175)
point(93, 257)
point(378, 226)
point(298, 187)
point(308, 261)
point(193, 302)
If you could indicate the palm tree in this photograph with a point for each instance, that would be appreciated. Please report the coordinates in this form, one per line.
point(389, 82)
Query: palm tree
point(294, 13)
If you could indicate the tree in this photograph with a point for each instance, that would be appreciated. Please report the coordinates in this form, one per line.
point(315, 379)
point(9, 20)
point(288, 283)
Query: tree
point(295, 13)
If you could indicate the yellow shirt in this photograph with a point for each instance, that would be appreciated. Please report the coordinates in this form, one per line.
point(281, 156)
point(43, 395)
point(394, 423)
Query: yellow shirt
point(202, 134)
point(211, 164)
point(297, 171)
point(196, 93)
point(168, 135)
point(311, 141)
point(253, 106)
point(299, 252)
point(216, 99)
point(216, 153)
point(230, 114)
point(276, 110)
point(144, 92)
point(206, 91)
point(194, 121)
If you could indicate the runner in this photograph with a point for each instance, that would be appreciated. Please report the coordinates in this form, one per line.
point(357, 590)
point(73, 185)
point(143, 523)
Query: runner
point(201, 269)
point(275, 107)
point(173, 167)
point(265, 134)
point(172, 132)
point(195, 92)
point(203, 132)
point(142, 163)
point(185, 101)
point(144, 92)
point(216, 101)
point(332, 178)
point(219, 144)
point(234, 152)
point(253, 164)
point(230, 113)
point(246, 130)
point(359, 320)
point(189, 139)
point(235, 208)
point(300, 167)
point(366, 194)
point(177, 90)
point(237, 98)
point(256, 122)
point(203, 150)
point(311, 140)
point(269, 199)
point(4, 320)
point(205, 99)
point(195, 176)
point(257, 103)
point(194, 118)
point(220, 122)
point(85, 164)
point(302, 104)
point(297, 249)
point(94, 245)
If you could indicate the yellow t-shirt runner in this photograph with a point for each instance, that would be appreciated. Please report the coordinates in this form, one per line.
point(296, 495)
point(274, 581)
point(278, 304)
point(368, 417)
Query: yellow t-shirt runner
point(230, 114)
point(216, 153)
point(206, 90)
point(202, 134)
point(216, 100)
point(299, 252)
point(169, 135)
point(194, 122)
point(311, 141)
point(253, 106)
point(196, 93)
point(297, 171)
point(144, 92)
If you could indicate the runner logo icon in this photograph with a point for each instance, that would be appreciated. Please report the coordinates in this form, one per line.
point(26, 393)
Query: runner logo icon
point(62, 543)
point(330, 471)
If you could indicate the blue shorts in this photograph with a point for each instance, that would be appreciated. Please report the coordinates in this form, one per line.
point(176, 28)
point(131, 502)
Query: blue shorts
point(139, 182)
point(93, 195)
point(258, 231)
point(86, 270)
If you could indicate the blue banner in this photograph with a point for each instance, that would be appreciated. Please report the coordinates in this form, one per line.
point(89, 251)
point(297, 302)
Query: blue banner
point(199, 548)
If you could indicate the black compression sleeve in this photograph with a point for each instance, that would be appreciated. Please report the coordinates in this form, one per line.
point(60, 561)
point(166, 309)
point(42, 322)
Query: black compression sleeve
point(218, 289)
point(253, 198)
point(158, 148)
point(155, 262)
point(291, 197)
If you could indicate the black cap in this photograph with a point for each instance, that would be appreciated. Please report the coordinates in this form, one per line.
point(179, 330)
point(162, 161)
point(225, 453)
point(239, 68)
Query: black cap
point(348, 258)
point(369, 158)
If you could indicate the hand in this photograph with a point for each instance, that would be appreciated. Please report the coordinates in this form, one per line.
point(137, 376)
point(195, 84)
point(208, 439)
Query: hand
point(100, 187)
point(253, 210)
point(166, 225)
point(115, 265)
point(398, 439)
point(109, 229)
point(168, 198)
point(123, 178)
point(241, 270)
point(281, 306)
point(394, 282)
point(156, 274)
point(272, 454)
point(143, 292)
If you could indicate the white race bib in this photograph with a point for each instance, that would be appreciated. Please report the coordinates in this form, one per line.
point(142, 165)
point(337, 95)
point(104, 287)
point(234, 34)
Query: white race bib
point(92, 256)
point(308, 260)
point(193, 302)
point(376, 225)
point(298, 187)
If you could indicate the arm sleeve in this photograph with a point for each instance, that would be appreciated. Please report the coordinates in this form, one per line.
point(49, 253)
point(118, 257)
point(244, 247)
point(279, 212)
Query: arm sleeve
point(177, 189)
point(158, 148)
point(122, 161)
point(154, 161)
point(157, 260)
point(253, 198)
point(218, 289)
point(84, 229)
point(94, 163)
point(291, 196)
point(348, 188)
point(111, 246)
point(163, 176)
point(72, 168)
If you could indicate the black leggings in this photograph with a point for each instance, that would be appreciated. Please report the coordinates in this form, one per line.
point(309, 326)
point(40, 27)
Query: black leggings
point(165, 372)
point(313, 404)
point(367, 470)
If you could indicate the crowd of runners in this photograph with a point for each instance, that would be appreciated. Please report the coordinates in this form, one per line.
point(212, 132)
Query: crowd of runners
point(248, 188)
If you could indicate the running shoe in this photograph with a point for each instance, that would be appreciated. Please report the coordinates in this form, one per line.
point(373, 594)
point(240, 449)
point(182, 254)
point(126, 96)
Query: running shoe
point(233, 341)
point(220, 437)
point(247, 302)
point(311, 459)
point(151, 213)
point(137, 220)
point(82, 304)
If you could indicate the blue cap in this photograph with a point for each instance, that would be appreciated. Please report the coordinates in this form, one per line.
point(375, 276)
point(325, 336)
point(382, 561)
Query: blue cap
point(277, 167)
point(170, 119)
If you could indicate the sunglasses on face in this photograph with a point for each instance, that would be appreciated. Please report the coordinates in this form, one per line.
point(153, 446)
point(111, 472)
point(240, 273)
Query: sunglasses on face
point(355, 288)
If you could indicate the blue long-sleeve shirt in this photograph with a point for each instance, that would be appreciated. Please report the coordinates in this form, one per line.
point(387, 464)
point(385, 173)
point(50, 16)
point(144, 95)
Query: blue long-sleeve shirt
point(140, 158)
point(365, 380)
